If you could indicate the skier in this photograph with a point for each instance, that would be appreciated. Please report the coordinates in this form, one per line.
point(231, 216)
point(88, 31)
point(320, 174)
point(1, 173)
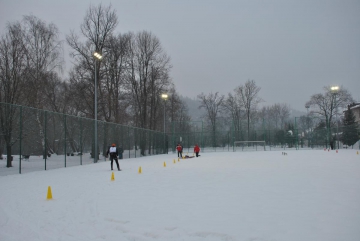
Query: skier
point(113, 156)
point(196, 150)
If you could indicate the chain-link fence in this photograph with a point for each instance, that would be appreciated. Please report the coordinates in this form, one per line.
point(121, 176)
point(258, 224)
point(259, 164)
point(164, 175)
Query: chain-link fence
point(36, 139)
point(315, 136)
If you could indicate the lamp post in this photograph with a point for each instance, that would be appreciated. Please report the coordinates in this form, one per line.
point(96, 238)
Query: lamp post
point(335, 91)
point(164, 97)
point(307, 124)
point(296, 135)
point(97, 57)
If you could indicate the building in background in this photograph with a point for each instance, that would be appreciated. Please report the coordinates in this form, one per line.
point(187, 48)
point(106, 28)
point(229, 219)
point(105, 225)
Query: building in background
point(355, 108)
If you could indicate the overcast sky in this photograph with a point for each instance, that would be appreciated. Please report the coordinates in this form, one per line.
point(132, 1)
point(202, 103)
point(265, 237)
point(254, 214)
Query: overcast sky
point(290, 48)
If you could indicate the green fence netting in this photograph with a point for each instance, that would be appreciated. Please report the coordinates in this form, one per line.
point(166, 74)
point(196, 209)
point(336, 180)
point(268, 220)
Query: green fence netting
point(41, 140)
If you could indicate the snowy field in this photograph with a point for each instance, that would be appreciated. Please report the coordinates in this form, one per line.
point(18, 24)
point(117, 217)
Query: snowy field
point(308, 195)
point(37, 163)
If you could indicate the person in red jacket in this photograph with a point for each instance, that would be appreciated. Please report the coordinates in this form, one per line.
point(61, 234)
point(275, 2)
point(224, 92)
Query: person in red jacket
point(197, 150)
point(179, 149)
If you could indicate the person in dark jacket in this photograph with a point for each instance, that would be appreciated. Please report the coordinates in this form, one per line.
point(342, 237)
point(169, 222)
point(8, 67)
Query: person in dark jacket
point(113, 156)
point(179, 149)
point(197, 150)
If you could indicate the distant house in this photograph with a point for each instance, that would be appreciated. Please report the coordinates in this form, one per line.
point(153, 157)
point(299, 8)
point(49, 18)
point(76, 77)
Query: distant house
point(355, 108)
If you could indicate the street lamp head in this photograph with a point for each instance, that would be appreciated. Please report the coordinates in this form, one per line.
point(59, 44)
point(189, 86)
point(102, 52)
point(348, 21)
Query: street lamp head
point(98, 56)
point(334, 89)
point(164, 96)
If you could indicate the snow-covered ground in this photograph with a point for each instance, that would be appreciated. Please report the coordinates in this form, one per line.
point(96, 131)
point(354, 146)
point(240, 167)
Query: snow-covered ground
point(307, 195)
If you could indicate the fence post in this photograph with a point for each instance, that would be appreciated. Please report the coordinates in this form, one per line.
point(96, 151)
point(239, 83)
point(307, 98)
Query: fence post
point(232, 132)
point(202, 139)
point(80, 141)
point(20, 143)
point(135, 141)
point(45, 142)
point(65, 139)
point(129, 139)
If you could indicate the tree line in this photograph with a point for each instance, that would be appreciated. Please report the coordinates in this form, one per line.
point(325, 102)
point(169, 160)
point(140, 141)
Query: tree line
point(131, 76)
point(242, 113)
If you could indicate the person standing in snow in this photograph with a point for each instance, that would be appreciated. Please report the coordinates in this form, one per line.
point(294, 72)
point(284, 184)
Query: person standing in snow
point(179, 149)
point(196, 150)
point(113, 156)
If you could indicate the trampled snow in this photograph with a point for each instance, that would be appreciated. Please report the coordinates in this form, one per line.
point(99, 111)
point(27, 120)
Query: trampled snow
point(307, 195)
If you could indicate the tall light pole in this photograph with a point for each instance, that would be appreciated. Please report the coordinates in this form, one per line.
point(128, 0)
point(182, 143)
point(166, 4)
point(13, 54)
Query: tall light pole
point(97, 57)
point(335, 91)
point(307, 124)
point(164, 97)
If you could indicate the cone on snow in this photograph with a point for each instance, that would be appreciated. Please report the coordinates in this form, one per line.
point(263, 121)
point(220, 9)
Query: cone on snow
point(336, 151)
point(112, 176)
point(49, 194)
point(164, 164)
point(140, 171)
point(174, 161)
point(357, 152)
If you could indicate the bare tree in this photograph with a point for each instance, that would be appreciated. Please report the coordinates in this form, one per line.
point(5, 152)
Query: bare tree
point(275, 112)
point(284, 114)
point(212, 103)
point(148, 77)
point(234, 107)
point(97, 28)
point(249, 95)
point(266, 116)
point(177, 111)
point(148, 70)
point(43, 56)
point(12, 66)
point(325, 105)
point(116, 100)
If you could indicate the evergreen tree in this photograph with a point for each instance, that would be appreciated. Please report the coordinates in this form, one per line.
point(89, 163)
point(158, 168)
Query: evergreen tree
point(350, 133)
point(319, 135)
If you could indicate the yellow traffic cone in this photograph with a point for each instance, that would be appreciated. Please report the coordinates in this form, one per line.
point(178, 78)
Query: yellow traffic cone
point(49, 194)
point(357, 152)
point(174, 161)
point(140, 170)
point(164, 164)
point(112, 176)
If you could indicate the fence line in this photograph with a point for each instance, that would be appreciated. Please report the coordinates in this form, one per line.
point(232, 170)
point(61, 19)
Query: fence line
point(61, 140)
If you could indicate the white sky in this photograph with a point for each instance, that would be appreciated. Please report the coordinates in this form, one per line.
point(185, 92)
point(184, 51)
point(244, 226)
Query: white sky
point(259, 196)
point(290, 48)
